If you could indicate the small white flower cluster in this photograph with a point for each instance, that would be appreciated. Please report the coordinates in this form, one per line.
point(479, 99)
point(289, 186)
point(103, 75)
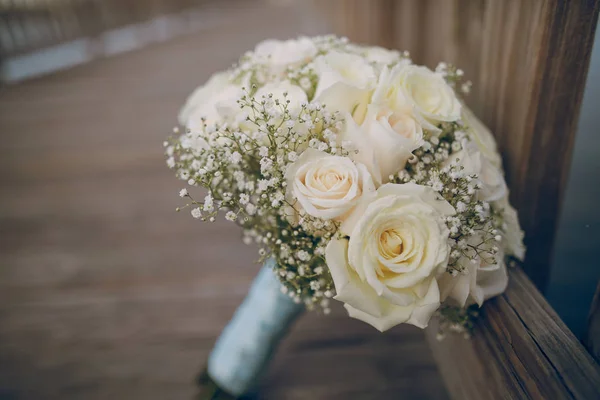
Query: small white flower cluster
point(243, 166)
point(436, 165)
point(454, 76)
point(352, 168)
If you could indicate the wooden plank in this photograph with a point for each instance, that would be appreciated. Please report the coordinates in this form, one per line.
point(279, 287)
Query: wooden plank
point(528, 61)
point(520, 350)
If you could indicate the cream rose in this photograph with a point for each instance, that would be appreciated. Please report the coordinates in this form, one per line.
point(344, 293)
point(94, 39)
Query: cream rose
point(386, 272)
point(381, 55)
point(212, 102)
point(483, 279)
point(432, 100)
point(482, 137)
point(327, 186)
point(280, 54)
point(295, 94)
point(512, 240)
point(385, 140)
point(490, 176)
point(344, 68)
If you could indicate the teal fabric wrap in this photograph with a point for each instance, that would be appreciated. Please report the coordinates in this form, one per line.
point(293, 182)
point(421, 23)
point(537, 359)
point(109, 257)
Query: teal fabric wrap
point(246, 345)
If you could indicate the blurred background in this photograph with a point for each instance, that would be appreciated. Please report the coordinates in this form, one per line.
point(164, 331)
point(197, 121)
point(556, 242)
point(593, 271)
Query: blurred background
point(105, 291)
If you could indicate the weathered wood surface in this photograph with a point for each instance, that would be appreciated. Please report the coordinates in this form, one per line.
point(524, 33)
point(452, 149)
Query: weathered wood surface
point(528, 62)
point(592, 338)
point(521, 350)
point(105, 291)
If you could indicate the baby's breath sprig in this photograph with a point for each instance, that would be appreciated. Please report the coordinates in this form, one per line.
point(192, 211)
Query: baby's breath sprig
point(473, 230)
point(243, 165)
point(304, 77)
point(454, 76)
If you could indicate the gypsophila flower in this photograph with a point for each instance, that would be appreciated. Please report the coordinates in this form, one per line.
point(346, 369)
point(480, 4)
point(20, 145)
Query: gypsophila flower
point(236, 157)
point(183, 192)
point(303, 255)
point(196, 213)
point(251, 209)
point(230, 216)
point(265, 165)
point(263, 185)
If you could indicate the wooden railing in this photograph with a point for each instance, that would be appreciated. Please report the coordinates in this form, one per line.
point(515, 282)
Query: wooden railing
point(34, 24)
point(520, 349)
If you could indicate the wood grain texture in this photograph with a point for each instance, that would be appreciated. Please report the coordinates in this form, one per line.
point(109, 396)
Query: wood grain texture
point(105, 291)
point(592, 337)
point(521, 350)
point(528, 62)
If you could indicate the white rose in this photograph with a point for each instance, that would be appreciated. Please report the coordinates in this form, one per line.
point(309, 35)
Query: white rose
point(386, 272)
point(482, 137)
point(346, 99)
point(327, 186)
point(295, 94)
point(348, 69)
point(512, 238)
point(490, 176)
point(432, 99)
point(212, 101)
point(482, 280)
point(385, 140)
point(279, 54)
point(381, 55)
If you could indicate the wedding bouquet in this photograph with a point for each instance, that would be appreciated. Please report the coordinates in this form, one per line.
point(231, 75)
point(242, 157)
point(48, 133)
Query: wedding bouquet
point(362, 175)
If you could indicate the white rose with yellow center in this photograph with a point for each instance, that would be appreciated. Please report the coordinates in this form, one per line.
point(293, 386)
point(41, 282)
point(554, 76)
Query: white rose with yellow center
point(431, 98)
point(385, 273)
point(327, 186)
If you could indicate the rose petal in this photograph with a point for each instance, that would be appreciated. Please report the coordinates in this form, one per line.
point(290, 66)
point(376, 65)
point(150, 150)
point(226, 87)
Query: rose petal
point(349, 288)
point(425, 307)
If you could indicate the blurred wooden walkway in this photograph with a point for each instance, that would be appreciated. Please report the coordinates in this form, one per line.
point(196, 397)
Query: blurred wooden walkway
point(105, 291)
